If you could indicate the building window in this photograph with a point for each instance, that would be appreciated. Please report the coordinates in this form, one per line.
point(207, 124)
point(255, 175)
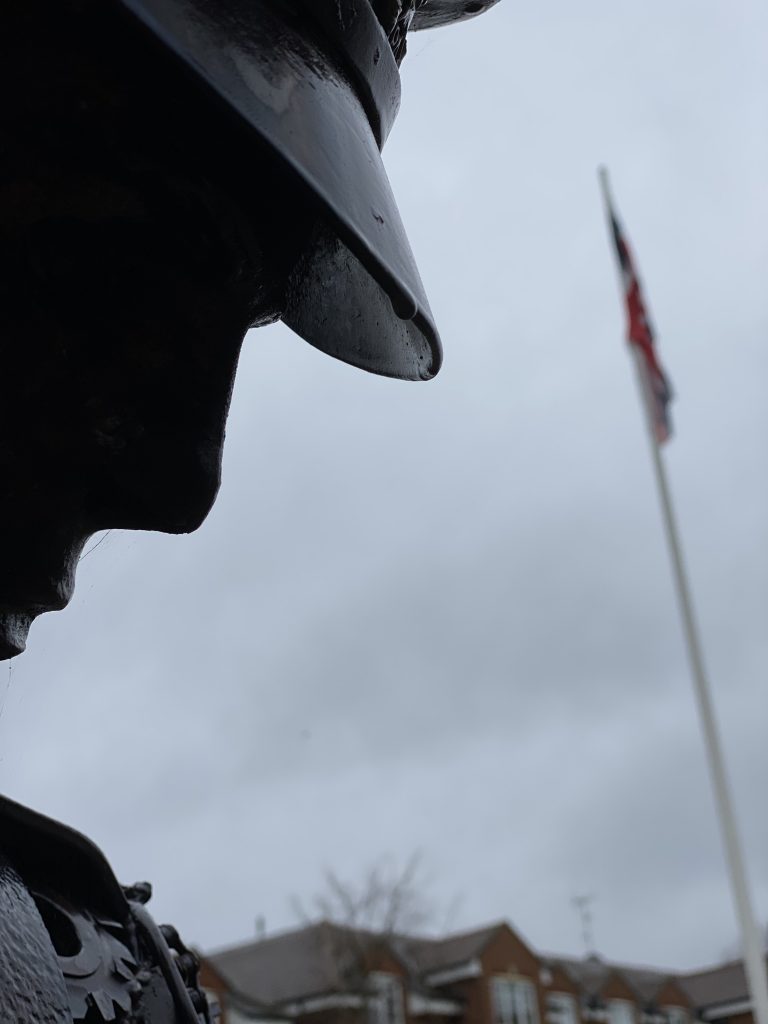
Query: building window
point(561, 1008)
point(514, 1001)
point(385, 1003)
point(676, 1015)
point(620, 1011)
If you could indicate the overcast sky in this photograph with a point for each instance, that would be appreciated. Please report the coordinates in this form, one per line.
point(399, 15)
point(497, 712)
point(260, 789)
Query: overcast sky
point(440, 617)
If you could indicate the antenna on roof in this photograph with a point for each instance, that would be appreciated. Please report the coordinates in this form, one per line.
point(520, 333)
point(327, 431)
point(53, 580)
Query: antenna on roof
point(582, 905)
point(261, 927)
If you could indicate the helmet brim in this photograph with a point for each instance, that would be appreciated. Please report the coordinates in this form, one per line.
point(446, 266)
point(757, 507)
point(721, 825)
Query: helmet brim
point(435, 13)
point(356, 293)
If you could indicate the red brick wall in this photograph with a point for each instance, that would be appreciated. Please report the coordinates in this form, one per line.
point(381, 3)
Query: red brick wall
point(615, 987)
point(742, 1018)
point(559, 981)
point(211, 980)
point(672, 995)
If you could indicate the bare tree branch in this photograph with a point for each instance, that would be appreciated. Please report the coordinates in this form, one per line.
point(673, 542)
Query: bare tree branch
point(387, 903)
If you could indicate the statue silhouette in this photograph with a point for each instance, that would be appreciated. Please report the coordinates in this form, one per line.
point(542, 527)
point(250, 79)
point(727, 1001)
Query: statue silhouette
point(172, 173)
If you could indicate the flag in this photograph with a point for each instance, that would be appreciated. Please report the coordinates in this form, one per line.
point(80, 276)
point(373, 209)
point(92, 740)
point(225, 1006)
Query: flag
point(640, 333)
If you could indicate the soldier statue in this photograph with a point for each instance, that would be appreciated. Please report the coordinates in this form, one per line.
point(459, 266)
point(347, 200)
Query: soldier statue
point(172, 173)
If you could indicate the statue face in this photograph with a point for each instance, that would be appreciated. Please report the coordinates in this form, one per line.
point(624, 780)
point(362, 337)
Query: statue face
point(131, 267)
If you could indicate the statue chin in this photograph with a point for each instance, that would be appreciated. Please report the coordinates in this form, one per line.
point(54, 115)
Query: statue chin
point(14, 627)
point(39, 561)
point(151, 461)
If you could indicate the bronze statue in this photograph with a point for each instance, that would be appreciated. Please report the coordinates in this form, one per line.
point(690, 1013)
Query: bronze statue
point(172, 173)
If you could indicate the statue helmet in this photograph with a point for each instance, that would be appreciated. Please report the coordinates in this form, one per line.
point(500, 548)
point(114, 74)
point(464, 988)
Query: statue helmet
point(317, 82)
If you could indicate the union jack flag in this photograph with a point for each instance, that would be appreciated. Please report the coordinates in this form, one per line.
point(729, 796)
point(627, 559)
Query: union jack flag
point(640, 333)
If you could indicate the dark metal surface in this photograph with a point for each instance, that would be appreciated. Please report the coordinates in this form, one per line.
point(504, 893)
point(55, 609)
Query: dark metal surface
point(296, 100)
point(352, 27)
point(180, 973)
point(98, 968)
point(75, 946)
point(32, 988)
point(52, 856)
point(434, 13)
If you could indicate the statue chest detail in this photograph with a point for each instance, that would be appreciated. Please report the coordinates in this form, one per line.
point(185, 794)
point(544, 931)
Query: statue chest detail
point(32, 987)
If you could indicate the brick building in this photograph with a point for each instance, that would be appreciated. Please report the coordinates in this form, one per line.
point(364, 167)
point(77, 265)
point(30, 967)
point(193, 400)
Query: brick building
point(721, 992)
point(328, 974)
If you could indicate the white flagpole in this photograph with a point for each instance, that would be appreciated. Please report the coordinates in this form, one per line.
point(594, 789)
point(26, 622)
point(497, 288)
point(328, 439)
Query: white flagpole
point(753, 955)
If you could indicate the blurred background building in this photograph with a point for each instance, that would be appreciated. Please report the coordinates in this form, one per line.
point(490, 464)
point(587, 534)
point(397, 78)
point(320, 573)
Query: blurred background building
point(325, 973)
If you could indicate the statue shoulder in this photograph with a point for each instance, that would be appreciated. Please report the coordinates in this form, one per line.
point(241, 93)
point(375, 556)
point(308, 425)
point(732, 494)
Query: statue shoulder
point(74, 944)
point(50, 855)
